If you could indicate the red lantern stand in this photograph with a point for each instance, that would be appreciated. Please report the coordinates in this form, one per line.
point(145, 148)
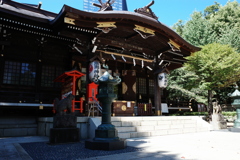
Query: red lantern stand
point(69, 86)
point(92, 91)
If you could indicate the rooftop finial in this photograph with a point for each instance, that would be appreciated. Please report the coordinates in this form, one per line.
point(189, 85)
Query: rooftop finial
point(146, 10)
point(105, 6)
point(39, 5)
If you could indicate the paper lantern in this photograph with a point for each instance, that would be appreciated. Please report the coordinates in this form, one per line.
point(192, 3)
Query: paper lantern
point(94, 70)
point(162, 80)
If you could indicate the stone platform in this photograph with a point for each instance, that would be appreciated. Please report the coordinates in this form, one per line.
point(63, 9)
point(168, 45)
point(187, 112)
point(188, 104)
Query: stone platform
point(63, 135)
point(105, 145)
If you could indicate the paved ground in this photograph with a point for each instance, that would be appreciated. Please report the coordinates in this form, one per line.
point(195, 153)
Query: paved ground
point(220, 145)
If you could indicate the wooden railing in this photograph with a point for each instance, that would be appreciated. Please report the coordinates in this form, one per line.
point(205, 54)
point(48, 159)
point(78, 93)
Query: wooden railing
point(144, 109)
point(27, 97)
point(180, 105)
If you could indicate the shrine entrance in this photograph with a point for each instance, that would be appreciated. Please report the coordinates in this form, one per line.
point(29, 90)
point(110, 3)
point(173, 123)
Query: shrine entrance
point(135, 46)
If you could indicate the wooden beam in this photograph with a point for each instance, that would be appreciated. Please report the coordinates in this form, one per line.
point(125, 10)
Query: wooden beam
point(122, 43)
point(127, 56)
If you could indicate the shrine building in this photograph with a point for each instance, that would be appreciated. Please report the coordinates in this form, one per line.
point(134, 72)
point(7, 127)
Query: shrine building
point(45, 55)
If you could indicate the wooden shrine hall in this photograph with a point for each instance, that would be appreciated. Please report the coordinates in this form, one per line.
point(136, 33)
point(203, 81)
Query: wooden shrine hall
point(37, 46)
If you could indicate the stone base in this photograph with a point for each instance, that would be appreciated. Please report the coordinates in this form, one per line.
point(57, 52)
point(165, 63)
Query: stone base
point(237, 123)
point(105, 145)
point(63, 135)
point(65, 121)
point(218, 122)
point(219, 125)
point(234, 129)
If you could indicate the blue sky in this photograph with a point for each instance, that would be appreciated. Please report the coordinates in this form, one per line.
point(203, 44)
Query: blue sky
point(168, 11)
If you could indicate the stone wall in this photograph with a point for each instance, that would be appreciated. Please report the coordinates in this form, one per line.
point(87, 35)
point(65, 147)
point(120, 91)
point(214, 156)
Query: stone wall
point(18, 126)
point(45, 123)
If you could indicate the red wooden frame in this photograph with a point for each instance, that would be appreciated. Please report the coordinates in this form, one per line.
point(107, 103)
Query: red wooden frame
point(74, 74)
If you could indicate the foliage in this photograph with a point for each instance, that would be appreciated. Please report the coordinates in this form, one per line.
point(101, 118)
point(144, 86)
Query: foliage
point(226, 18)
point(178, 27)
point(222, 95)
point(211, 10)
point(198, 31)
point(232, 114)
point(181, 113)
point(216, 65)
point(231, 37)
point(182, 83)
point(216, 24)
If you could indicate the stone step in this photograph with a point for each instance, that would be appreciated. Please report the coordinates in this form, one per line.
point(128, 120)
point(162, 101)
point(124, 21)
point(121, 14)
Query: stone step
point(4, 126)
point(117, 123)
point(152, 122)
point(126, 129)
point(151, 118)
point(146, 127)
point(133, 134)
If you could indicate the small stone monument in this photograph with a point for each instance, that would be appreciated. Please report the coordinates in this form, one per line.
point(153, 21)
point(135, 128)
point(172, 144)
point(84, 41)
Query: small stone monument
point(64, 123)
point(106, 135)
point(218, 122)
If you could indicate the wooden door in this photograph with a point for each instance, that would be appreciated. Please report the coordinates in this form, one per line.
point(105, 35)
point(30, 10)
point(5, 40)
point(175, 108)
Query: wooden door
point(129, 85)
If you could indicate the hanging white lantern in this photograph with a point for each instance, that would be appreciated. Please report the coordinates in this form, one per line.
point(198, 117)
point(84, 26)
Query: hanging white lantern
point(162, 80)
point(94, 70)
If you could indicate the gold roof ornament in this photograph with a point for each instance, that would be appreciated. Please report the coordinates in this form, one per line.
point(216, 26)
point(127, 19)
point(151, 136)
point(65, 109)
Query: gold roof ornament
point(69, 20)
point(144, 32)
point(174, 45)
point(106, 27)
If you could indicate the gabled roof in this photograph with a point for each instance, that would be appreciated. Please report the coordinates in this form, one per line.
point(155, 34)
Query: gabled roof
point(32, 12)
point(70, 12)
point(130, 34)
point(27, 11)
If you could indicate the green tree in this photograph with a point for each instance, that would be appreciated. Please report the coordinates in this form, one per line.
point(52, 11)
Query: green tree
point(226, 18)
point(220, 24)
point(182, 84)
point(217, 66)
point(217, 23)
point(211, 10)
point(198, 31)
point(178, 27)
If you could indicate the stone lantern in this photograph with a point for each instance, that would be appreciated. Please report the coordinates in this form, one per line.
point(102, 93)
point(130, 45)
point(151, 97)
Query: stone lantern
point(236, 103)
point(106, 135)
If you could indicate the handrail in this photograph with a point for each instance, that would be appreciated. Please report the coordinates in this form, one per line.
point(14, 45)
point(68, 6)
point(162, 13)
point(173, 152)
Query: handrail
point(25, 104)
point(98, 105)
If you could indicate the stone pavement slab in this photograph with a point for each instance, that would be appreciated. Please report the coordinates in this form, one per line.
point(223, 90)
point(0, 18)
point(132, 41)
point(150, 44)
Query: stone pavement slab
point(220, 145)
point(11, 150)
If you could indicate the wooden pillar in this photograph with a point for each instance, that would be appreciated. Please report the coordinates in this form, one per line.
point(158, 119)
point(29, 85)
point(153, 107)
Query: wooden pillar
point(157, 96)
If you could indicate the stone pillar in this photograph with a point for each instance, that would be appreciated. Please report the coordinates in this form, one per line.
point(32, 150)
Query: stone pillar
point(236, 103)
point(106, 135)
point(106, 131)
